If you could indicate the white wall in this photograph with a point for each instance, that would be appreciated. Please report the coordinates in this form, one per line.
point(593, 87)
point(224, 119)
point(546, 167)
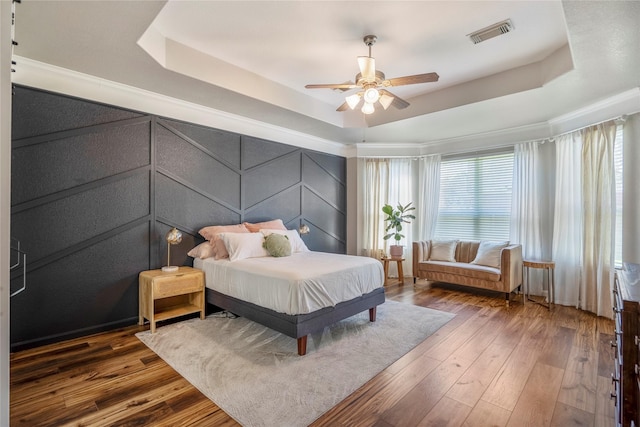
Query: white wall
point(5, 203)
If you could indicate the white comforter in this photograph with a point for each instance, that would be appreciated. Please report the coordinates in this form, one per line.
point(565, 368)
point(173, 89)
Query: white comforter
point(298, 284)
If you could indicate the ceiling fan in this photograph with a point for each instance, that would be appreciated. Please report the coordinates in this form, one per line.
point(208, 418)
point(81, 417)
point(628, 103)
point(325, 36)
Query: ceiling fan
point(372, 84)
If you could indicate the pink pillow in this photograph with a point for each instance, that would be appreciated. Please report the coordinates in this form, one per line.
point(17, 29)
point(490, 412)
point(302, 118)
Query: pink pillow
point(212, 232)
point(275, 224)
point(203, 251)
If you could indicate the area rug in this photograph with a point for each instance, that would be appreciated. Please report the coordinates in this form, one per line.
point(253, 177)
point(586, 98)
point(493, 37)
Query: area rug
point(256, 376)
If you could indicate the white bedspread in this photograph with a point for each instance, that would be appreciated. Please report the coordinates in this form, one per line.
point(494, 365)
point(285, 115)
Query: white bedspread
point(298, 284)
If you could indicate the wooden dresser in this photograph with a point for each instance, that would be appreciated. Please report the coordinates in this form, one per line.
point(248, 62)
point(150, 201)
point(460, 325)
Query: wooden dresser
point(626, 307)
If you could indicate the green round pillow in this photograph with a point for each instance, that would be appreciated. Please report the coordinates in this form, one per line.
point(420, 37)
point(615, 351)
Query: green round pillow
point(277, 245)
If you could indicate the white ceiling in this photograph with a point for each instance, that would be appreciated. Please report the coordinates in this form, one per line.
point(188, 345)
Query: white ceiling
point(253, 58)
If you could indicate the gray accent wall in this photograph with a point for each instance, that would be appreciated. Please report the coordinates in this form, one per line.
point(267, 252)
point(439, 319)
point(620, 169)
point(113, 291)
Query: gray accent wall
point(95, 188)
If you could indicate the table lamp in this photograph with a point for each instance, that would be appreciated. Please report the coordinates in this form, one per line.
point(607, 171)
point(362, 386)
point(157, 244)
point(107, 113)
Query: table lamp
point(173, 237)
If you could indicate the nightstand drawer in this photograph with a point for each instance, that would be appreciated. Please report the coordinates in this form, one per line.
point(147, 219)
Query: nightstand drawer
point(177, 285)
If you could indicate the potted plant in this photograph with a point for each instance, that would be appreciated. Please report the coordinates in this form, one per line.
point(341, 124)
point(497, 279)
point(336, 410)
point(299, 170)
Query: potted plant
point(395, 218)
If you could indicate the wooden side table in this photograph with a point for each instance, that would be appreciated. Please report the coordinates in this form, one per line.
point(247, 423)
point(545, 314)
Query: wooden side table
point(167, 295)
point(386, 261)
point(542, 264)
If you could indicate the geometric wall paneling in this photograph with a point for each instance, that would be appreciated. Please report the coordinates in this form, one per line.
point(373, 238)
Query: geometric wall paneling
point(270, 178)
point(333, 165)
point(225, 146)
point(316, 177)
point(96, 188)
point(54, 226)
point(189, 210)
point(196, 168)
point(320, 241)
point(286, 205)
point(323, 215)
point(49, 112)
point(85, 292)
point(73, 158)
point(256, 151)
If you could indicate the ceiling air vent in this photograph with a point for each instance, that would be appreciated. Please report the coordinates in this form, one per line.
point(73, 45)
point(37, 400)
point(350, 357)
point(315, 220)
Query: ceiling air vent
point(491, 31)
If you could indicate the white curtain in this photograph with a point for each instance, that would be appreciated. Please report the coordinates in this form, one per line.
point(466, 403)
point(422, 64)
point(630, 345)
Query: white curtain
point(376, 190)
point(598, 184)
point(525, 208)
point(428, 196)
point(401, 192)
point(583, 218)
point(386, 181)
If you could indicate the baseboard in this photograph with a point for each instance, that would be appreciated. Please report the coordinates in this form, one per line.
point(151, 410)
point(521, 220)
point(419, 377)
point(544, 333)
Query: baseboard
point(51, 339)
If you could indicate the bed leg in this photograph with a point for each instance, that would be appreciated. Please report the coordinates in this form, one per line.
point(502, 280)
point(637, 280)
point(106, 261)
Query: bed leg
point(302, 346)
point(372, 314)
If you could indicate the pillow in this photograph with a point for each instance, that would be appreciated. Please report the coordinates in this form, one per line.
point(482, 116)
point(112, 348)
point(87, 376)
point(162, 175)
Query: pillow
point(489, 253)
point(275, 224)
point(212, 232)
point(203, 251)
point(277, 245)
point(244, 245)
point(297, 244)
point(444, 250)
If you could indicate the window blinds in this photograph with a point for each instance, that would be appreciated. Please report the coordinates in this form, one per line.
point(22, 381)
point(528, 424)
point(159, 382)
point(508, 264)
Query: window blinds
point(475, 197)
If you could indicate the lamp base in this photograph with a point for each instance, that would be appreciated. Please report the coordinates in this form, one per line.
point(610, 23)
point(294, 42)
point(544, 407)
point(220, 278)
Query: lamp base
point(169, 268)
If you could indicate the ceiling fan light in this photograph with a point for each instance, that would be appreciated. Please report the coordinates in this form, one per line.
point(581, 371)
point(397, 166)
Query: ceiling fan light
point(385, 100)
point(353, 100)
point(371, 95)
point(368, 108)
point(367, 68)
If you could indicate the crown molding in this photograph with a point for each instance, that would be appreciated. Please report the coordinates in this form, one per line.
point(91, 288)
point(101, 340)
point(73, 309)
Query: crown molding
point(61, 80)
point(624, 103)
point(49, 77)
point(627, 102)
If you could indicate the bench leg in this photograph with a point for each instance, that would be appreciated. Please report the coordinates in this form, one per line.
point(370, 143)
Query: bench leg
point(507, 297)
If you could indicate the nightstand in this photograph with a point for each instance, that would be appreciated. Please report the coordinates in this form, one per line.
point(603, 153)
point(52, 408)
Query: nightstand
point(167, 295)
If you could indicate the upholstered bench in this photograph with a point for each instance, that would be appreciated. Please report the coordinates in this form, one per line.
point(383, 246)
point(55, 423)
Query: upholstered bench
point(496, 266)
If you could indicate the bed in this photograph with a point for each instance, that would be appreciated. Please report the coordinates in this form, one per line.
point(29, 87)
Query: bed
point(297, 294)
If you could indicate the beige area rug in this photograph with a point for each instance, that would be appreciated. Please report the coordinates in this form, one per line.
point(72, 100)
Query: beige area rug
point(256, 376)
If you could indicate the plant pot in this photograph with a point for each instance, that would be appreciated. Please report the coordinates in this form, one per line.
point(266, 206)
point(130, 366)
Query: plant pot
point(396, 251)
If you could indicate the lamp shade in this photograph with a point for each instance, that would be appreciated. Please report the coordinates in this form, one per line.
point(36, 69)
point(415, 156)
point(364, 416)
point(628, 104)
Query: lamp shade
point(368, 108)
point(385, 100)
point(353, 100)
point(371, 95)
point(174, 236)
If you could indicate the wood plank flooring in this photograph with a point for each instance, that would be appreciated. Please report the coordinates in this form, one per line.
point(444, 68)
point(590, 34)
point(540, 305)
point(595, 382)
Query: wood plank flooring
point(490, 366)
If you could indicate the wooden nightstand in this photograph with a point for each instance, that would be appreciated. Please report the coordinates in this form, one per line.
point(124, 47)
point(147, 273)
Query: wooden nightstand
point(168, 295)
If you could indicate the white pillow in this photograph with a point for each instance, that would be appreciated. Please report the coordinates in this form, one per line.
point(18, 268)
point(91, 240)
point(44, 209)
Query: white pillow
point(489, 253)
point(203, 251)
point(444, 250)
point(297, 244)
point(244, 245)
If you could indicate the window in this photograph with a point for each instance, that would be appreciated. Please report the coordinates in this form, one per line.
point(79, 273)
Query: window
point(475, 197)
point(617, 160)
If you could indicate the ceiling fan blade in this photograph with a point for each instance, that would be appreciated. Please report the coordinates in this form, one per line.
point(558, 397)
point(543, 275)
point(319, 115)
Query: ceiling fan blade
point(343, 107)
point(399, 103)
point(412, 80)
point(341, 86)
point(367, 66)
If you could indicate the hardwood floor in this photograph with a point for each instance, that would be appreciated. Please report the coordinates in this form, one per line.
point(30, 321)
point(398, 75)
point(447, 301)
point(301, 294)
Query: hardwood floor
point(490, 366)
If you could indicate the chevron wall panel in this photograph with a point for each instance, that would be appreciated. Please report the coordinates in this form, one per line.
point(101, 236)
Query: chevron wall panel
point(95, 188)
